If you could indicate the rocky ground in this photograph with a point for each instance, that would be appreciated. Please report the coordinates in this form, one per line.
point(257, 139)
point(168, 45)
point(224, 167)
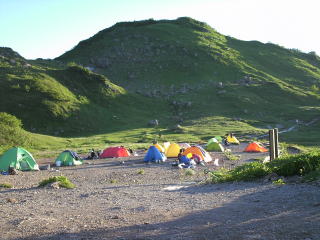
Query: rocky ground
point(114, 200)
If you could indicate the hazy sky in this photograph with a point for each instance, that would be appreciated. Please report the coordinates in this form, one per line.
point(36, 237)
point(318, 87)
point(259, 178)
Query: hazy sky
point(48, 28)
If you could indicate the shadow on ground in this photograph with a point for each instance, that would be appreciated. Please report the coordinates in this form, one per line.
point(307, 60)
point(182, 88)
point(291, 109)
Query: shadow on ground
point(276, 212)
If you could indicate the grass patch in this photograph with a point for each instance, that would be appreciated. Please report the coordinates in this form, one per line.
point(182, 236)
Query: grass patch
point(305, 164)
point(141, 171)
point(6, 185)
point(62, 180)
point(279, 182)
point(231, 156)
point(113, 181)
point(189, 172)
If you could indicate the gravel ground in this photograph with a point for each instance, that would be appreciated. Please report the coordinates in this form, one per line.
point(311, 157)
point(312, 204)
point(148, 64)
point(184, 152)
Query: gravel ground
point(113, 201)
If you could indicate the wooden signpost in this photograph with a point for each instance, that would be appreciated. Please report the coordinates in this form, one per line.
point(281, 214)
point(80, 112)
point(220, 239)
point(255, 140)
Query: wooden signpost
point(274, 143)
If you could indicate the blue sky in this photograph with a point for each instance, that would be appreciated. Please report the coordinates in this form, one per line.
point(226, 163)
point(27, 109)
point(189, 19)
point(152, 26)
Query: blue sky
point(48, 28)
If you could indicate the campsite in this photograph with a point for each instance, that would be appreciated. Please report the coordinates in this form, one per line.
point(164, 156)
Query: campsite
point(115, 125)
point(126, 198)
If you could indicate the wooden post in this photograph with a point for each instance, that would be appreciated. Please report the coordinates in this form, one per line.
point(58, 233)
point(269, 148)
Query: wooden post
point(276, 142)
point(271, 141)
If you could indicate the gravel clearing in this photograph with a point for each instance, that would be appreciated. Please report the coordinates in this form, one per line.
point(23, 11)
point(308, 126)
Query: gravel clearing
point(113, 200)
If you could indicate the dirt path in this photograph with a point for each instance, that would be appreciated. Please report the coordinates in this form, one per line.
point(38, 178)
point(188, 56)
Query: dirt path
point(113, 201)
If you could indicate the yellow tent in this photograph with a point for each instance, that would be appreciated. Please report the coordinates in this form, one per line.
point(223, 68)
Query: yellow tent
point(166, 146)
point(173, 150)
point(159, 147)
point(232, 140)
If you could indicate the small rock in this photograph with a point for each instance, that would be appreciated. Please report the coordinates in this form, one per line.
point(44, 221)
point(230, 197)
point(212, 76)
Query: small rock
point(84, 195)
point(13, 171)
point(271, 177)
point(54, 185)
point(12, 200)
point(45, 167)
point(115, 217)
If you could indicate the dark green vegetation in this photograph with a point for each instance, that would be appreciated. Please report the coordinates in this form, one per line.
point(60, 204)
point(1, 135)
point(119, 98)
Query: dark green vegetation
point(179, 72)
point(304, 164)
point(62, 180)
point(6, 185)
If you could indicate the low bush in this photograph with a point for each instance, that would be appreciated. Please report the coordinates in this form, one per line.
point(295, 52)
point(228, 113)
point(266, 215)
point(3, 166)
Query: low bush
point(305, 164)
point(62, 180)
point(298, 164)
point(312, 176)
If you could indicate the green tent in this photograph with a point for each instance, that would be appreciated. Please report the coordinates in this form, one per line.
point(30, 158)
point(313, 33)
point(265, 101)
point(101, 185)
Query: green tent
point(68, 158)
point(219, 138)
point(215, 147)
point(212, 140)
point(19, 159)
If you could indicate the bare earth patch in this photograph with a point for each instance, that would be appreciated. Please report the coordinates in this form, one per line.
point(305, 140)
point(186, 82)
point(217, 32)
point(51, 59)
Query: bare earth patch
point(113, 200)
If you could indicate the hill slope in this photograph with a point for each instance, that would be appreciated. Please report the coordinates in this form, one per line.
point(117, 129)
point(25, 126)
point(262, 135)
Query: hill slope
point(204, 74)
point(67, 100)
point(177, 71)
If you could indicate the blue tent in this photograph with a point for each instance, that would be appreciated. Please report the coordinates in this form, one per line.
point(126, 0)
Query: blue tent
point(154, 155)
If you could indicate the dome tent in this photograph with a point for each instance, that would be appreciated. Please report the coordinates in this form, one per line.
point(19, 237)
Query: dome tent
point(214, 146)
point(18, 158)
point(205, 156)
point(154, 155)
point(173, 150)
point(255, 147)
point(68, 158)
point(115, 152)
point(232, 139)
point(159, 147)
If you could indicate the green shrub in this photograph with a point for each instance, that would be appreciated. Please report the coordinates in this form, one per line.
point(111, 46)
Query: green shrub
point(246, 172)
point(299, 164)
point(11, 132)
point(62, 180)
point(141, 171)
point(6, 185)
point(307, 164)
point(312, 176)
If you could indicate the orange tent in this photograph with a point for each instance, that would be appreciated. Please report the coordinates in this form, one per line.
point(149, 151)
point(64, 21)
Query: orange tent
point(255, 147)
point(199, 151)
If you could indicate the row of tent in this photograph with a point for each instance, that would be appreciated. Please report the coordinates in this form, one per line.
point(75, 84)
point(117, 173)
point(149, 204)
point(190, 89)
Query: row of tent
point(20, 159)
point(158, 153)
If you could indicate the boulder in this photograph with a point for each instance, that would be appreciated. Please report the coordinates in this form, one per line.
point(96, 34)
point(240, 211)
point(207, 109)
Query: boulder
point(153, 123)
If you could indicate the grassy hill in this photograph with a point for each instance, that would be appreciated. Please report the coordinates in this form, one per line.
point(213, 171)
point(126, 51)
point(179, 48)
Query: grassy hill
point(108, 87)
point(65, 100)
point(205, 75)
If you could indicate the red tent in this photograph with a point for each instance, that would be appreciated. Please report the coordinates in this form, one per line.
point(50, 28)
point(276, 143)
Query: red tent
point(255, 147)
point(112, 152)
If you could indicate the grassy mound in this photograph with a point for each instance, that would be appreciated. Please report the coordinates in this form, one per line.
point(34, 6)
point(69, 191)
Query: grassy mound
point(305, 164)
point(62, 180)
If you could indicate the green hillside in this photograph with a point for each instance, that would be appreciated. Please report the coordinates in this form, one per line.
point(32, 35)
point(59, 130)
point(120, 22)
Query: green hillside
point(108, 87)
point(67, 100)
point(206, 75)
